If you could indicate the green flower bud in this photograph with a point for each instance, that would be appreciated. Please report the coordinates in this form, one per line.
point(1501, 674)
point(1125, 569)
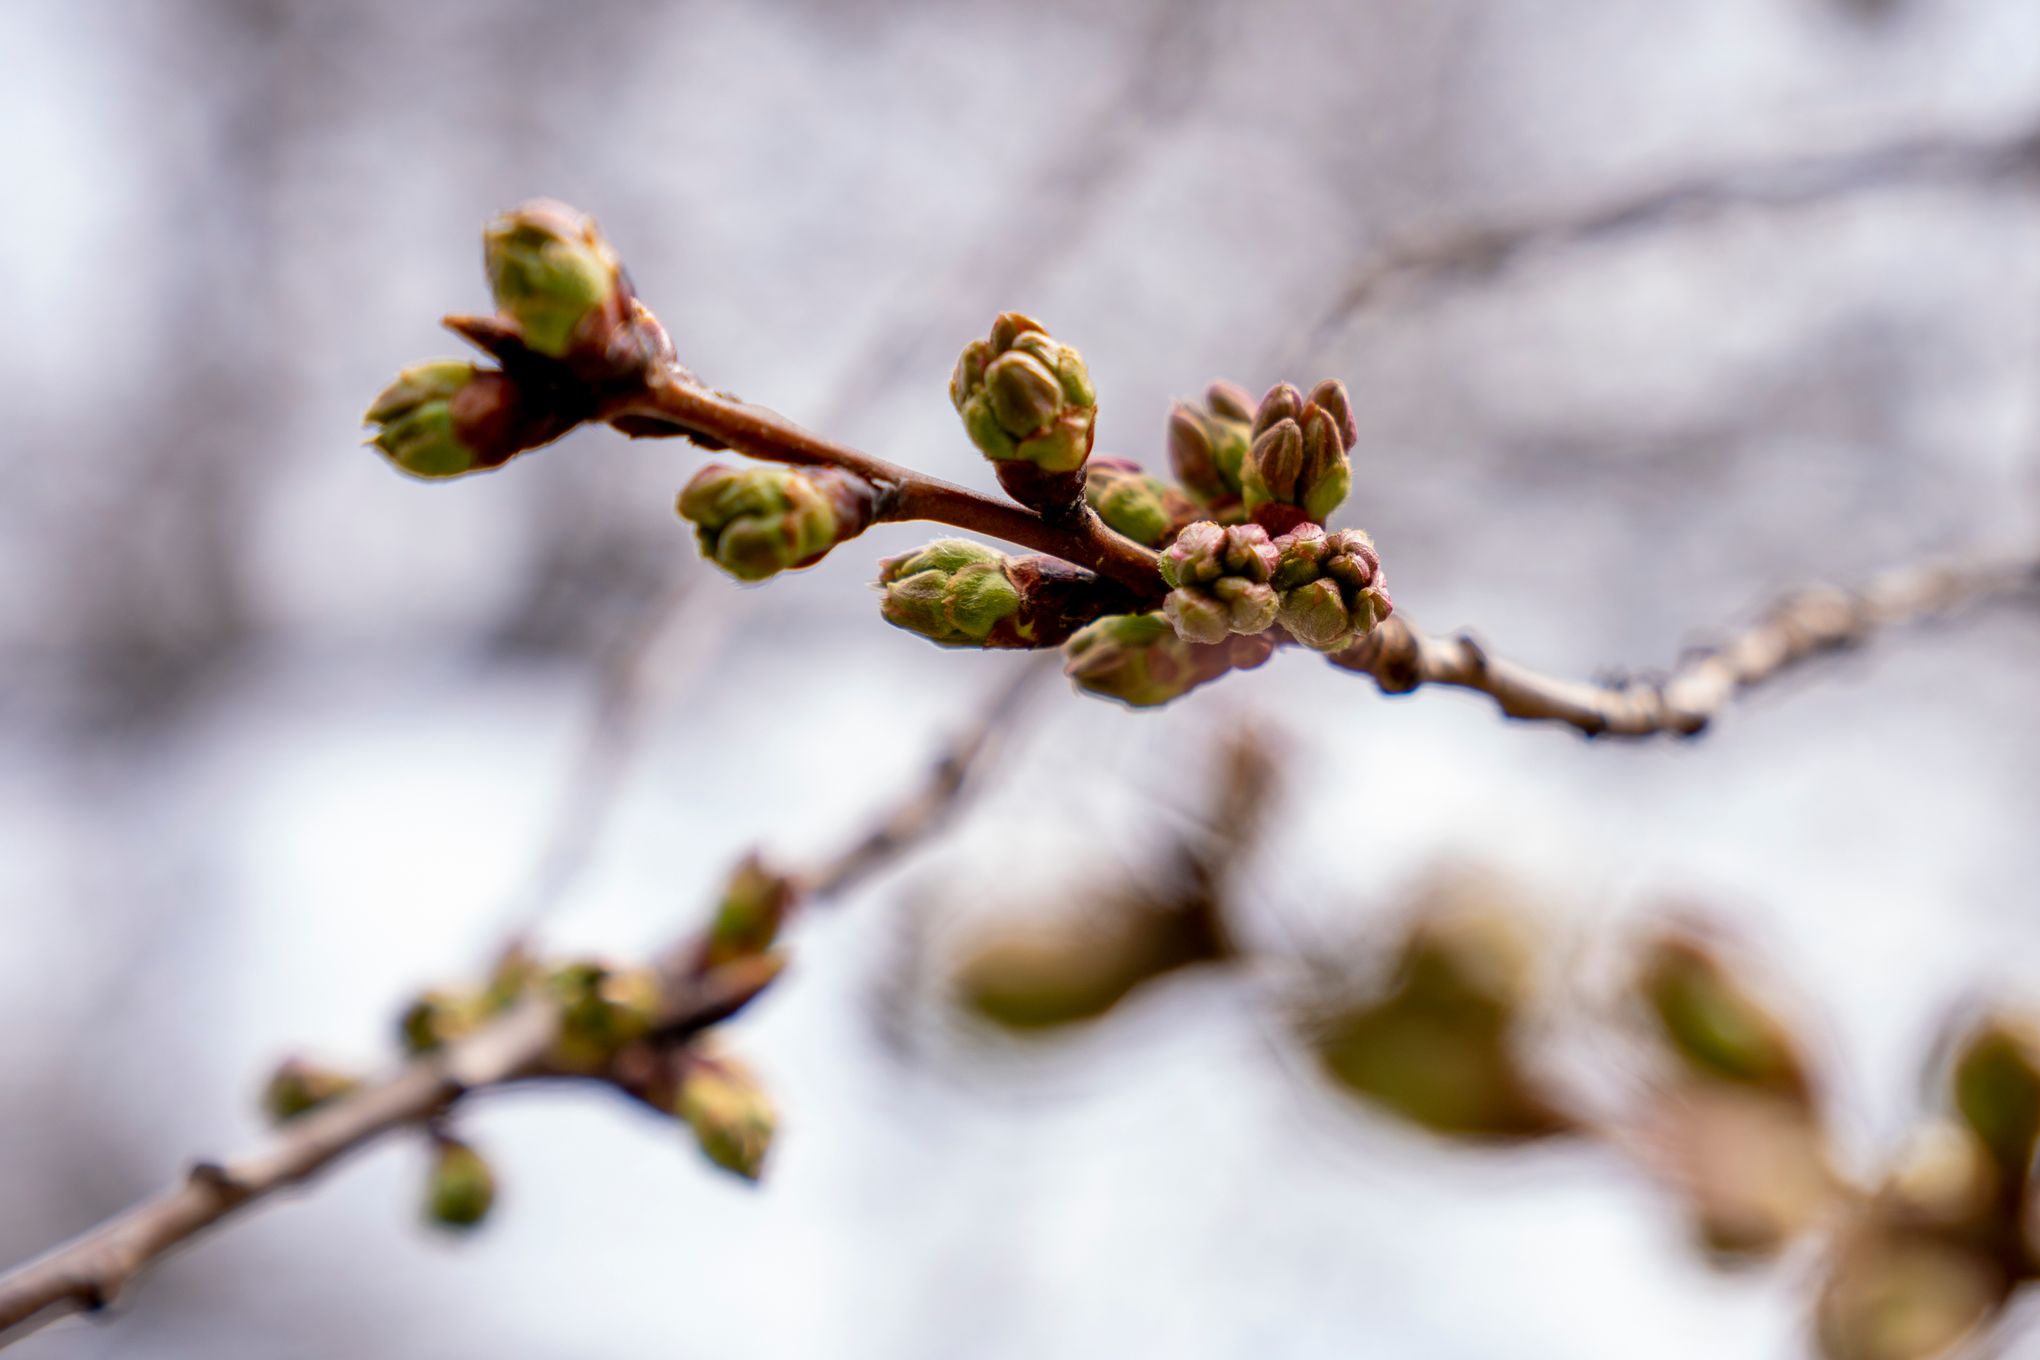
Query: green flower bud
point(963, 594)
point(1023, 396)
point(754, 905)
point(447, 417)
point(1208, 446)
point(436, 1019)
point(755, 522)
point(602, 1008)
point(1331, 586)
point(299, 1086)
point(556, 277)
point(1996, 1088)
point(1143, 508)
point(1713, 1024)
point(1298, 468)
point(732, 1117)
point(1140, 660)
point(460, 1189)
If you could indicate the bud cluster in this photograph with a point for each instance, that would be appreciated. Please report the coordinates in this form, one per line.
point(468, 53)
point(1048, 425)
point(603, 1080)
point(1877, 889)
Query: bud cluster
point(1219, 578)
point(1331, 586)
point(1208, 447)
point(755, 522)
point(1028, 404)
point(1298, 469)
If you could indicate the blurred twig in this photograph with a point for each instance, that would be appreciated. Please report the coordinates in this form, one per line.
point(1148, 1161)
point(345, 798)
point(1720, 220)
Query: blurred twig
point(1805, 625)
point(1481, 249)
point(88, 1273)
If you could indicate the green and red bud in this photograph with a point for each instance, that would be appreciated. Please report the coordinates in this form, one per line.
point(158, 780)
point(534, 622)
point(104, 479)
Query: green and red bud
point(1331, 586)
point(448, 417)
point(963, 594)
point(1140, 660)
point(557, 279)
point(1220, 576)
point(460, 1188)
point(755, 522)
point(1208, 447)
point(299, 1086)
point(732, 1117)
point(1298, 467)
point(755, 903)
point(1028, 404)
point(1143, 508)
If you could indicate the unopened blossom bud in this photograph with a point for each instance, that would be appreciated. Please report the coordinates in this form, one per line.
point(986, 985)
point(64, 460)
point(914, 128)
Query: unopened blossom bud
point(1996, 1081)
point(447, 417)
point(1894, 1294)
point(436, 1019)
point(299, 1086)
point(1038, 977)
point(732, 1117)
point(1220, 575)
point(755, 522)
point(555, 276)
point(1298, 468)
point(1028, 405)
point(1140, 660)
point(754, 905)
point(964, 594)
point(461, 1188)
point(1713, 1023)
point(601, 1009)
point(1331, 586)
point(1143, 508)
point(1208, 446)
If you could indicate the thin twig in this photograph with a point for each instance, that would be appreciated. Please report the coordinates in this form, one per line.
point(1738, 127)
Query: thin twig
point(1802, 626)
point(90, 1272)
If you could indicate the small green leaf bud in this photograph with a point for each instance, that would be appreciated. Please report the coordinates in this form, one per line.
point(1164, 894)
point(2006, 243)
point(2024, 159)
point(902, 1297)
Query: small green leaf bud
point(1140, 660)
point(732, 1117)
point(1143, 508)
point(963, 594)
point(755, 522)
point(754, 905)
point(461, 1188)
point(448, 417)
point(601, 1008)
point(1713, 1024)
point(556, 277)
point(299, 1086)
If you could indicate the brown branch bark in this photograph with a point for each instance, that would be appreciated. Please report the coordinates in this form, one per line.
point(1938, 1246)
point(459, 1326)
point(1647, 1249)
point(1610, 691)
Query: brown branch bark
point(90, 1272)
point(1802, 626)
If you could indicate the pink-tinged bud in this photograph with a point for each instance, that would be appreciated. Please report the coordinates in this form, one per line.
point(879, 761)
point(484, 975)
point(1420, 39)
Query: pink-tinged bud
point(755, 522)
point(1220, 575)
point(1298, 469)
point(1331, 586)
point(1208, 447)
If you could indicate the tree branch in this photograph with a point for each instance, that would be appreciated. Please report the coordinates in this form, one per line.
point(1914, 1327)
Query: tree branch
point(89, 1273)
point(1802, 626)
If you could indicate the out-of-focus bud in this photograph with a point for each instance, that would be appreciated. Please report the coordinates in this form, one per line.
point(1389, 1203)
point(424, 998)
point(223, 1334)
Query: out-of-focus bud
point(436, 1019)
point(601, 1008)
point(755, 522)
point(299, 1086)
point(1143, 508)
point(516, 972)
point(1996, 1081)
point(1298, 468)
point(1140, 660)
point(1713, 1024)
point(1945, 1180)
point(1208, 446)
point(461, 1188)
point(447, 417)
point(1752, 1166)
point(1041, 977)
point(1331, 586)
point(732, 1117)
point(1028, 405)
point(1900, 1295)
point(1220, 577)
point(964, 594)
point(555, 276)
point(754, 905)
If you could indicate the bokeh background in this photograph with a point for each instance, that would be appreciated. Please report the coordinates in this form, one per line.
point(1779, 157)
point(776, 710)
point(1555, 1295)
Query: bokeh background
point(284, 736)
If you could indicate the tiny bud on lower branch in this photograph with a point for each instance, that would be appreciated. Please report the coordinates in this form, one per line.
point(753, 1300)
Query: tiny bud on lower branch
point(1140, 660)
point(460, 1188)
